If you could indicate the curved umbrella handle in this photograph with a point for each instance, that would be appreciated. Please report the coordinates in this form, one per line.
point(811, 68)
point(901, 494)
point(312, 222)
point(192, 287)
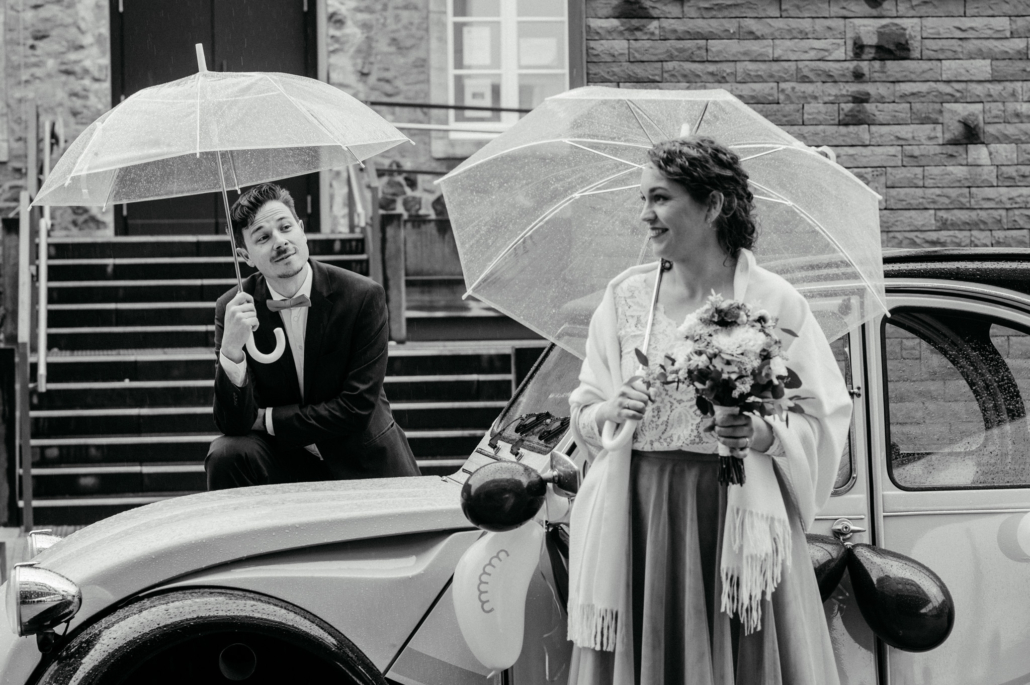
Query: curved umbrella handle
point(616, 436)
point(280, 347)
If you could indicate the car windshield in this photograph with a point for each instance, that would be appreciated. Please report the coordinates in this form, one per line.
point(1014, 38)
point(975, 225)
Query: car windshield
point(547, 388)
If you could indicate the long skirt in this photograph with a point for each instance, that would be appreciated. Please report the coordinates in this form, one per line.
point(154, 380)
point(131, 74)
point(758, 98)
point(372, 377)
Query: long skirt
point(679, 633)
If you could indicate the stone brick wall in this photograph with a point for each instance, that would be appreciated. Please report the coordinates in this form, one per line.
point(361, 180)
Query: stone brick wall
point(57, 53)
point(928, 101)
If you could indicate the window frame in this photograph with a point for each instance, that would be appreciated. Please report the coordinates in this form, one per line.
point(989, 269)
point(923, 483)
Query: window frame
point(441, 77)
point(508, 69)
point(1002, 315)
point(851, 379)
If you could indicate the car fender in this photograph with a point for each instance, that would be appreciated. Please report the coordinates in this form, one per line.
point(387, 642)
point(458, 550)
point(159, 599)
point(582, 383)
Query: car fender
point(375, 592)
point(119, 557)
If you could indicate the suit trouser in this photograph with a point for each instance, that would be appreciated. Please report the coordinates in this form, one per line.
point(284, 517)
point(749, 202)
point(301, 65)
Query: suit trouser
point(256, 459)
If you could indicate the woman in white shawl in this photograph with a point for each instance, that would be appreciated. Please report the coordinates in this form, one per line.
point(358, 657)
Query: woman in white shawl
point(675, 578)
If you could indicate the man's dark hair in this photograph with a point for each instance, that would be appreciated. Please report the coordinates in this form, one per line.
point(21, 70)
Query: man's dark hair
point(252, 200)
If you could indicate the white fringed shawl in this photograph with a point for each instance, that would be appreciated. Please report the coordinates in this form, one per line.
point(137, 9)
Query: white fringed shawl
point(756, 529)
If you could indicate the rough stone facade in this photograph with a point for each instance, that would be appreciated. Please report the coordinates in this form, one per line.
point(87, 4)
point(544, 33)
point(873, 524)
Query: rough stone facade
point(381, 51)
point(57, 53)
point(928, 101)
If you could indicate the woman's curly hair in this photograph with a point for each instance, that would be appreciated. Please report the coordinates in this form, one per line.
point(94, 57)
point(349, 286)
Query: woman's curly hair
point(703, 166)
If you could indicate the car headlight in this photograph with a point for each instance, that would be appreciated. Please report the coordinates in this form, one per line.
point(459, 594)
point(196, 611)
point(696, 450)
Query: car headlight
point(39, 599)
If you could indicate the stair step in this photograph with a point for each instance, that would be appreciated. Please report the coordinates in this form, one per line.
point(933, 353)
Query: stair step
point(133, 420)
point(185, 246)
point(192, 448)
point(449, 388)
point(115, 449)
point(143, 290)
point(156, 268)
point(117, 480)
point(486, 358)
point(116, 337)
point(123, 365)
point(108, 394)
point(91, 480)
point(194, 313)
point(182, 393)
point(86, 510)
point(426, 326)
point(93, 315)
point(171, 420)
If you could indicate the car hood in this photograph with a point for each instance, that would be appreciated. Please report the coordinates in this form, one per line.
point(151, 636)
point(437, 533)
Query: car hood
point(139, 549)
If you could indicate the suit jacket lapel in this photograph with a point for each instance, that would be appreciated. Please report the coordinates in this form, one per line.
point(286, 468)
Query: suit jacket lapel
point(320, 304)
point(265, 339)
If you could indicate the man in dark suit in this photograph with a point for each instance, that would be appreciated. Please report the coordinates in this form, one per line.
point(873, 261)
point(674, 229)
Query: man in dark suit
point(319, 412)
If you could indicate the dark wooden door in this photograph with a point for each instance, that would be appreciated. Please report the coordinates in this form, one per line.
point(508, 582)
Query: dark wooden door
point(153, 42)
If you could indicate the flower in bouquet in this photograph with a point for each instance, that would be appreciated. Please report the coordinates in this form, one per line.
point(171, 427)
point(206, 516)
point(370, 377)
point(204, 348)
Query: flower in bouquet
point(733, 359)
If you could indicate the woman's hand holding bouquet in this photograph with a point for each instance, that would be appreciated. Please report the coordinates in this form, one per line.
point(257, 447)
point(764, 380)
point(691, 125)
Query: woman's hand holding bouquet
point(734, 361)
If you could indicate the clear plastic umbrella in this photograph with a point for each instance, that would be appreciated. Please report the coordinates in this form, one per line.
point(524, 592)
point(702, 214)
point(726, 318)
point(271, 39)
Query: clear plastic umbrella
point(212, 131)
point(547, 213)
point(215, 130)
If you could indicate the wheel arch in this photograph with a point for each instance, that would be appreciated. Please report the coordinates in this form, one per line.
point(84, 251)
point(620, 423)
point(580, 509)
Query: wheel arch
point(116, 643)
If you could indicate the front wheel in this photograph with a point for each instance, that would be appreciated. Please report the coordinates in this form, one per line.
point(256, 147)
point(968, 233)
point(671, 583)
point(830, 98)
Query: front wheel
point(210, 636)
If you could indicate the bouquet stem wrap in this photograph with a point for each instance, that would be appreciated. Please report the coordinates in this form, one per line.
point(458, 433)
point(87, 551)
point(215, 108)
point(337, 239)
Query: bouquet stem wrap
point(731, 459)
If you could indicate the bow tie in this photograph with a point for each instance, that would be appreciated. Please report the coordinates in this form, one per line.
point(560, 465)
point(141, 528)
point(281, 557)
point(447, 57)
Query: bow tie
point(288, 303)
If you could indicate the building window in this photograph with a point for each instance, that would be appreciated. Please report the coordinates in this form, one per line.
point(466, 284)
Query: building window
point(504, 53)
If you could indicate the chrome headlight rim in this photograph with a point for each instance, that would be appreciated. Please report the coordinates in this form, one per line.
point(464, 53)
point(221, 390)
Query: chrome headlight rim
point(39, 599)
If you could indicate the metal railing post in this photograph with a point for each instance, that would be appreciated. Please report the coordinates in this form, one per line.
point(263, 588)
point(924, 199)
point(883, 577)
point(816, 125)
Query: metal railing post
point(373, 231)
point(24, 331)
point(32, 149)
point(356, 207)
point(41, 269)
point(394, 272)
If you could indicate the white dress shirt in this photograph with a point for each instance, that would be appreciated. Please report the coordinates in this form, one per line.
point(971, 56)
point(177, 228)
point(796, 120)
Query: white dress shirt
point(295, 323)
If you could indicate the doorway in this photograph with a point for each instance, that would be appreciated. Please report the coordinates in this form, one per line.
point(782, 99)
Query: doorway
point(152, 42)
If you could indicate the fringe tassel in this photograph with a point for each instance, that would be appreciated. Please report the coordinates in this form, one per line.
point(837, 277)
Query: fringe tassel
point(593, 627)
point(766, 552)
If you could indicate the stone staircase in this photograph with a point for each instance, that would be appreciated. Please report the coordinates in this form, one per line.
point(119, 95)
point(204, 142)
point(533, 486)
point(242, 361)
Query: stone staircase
point(126, 418)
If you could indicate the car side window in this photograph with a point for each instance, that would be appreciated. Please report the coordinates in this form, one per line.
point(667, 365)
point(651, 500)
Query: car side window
point(956, 384)
point(842, 353)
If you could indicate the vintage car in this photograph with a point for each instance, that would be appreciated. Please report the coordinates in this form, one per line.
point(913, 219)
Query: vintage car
point(353, 581)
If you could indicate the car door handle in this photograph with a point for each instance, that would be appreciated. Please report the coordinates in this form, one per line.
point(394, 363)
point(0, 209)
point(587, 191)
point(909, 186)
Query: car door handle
point(843, 529)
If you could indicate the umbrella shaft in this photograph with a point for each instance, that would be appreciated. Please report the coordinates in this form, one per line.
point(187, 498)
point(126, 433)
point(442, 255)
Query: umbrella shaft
point(654, 305)
point(228, 225)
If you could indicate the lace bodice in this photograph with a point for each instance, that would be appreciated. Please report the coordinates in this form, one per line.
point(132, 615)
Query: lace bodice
point(672, 421)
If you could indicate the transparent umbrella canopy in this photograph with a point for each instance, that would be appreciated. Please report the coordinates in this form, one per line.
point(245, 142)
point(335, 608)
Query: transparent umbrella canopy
point(215, 130)
point(212, 131)
point(547, 213)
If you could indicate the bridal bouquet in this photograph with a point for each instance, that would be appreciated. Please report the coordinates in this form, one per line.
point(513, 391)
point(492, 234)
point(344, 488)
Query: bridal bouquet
point(732, 358)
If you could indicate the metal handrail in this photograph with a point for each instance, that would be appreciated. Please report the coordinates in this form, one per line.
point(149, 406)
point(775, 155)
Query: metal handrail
point(444, 127)
point(433, 105)
point(41, 268)
point(24, 331)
